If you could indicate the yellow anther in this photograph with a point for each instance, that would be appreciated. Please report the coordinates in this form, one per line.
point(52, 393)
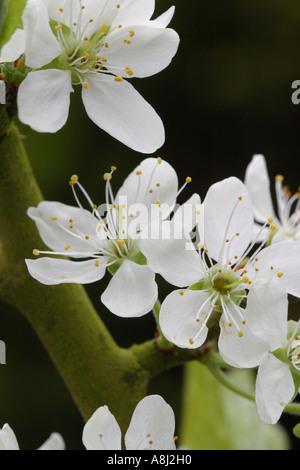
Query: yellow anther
point(86, 237)
point(191, 341)
point(150, 191)
point(73, 180)
point(106, 44)
point(188, 179)
point(175, 438)
point(120, 26)
point(138, 172)
point(245, 279)
point(131, 32)
point(272, 226)
point(85, 38)
point(181, 292)
point(85, 85)
point(118, 6)
point(100, 435)
point(96, 262)
point(127, 41)
point(159, 160)
point(200, 245)
point(240, 198)
point(71, 226)
point(113, 168)
point(197, 320)
point(280, 274)
point(237, 234)
point(53, 217)
point(104, 59)
point(120, 242)
point(279, 178)
point(67, 247)
point(197, 212)
point(118, 79)
point(229, 324)
point(270, 219)
point(244, 322)
point(157, 202)
point(58, 26)
point(71, 220)
point(87, 55)
point(61, 10)
point(35, 252)
point(91, 20)
point(240, 333)
point(158, 185)
point(106, 176)
point(104, 27)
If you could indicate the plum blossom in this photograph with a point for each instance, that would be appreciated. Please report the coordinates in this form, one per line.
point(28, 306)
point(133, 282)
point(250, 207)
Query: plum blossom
point(8, 440)
point(257, 183)
point(220, 273)
point(107, 237)
point(151, 427)
point(100, 45)
point(278, 375)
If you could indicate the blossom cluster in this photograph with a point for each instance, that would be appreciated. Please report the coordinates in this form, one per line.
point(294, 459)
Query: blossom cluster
point(231, 261)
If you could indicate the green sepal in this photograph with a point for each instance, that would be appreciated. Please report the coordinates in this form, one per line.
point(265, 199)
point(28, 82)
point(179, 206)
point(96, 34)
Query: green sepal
point(11, 74)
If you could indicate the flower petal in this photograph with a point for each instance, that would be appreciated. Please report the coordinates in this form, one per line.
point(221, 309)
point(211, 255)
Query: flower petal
point(165, 18)
point(14, 48)
point(52, 271)
point(154, 175)
point(41, 46)
point(8, 440)
point(178, 317)
point(132, 291)
point(241, 351)
point(274, 388)
point(149, 51)
point(120, 110)
point(227, 212)
point(282, 260)
point(152, 425)
point(133, 12)
point(44, 99)
point(101, 431)
point(53, 220)
point(257, 183)
point(54, 442)
point(173, 258)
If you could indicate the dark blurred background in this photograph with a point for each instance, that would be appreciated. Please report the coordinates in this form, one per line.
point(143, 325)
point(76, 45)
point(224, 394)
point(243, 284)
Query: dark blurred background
point(225, 96)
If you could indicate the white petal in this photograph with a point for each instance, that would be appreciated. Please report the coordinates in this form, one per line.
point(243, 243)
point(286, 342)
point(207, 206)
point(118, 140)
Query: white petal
point(267, 311)
point(44, 99)
point(225, 216)
point(151, 50)
point(102, 432)
point(187, 213)
point(165, 18)
point(53, 220)
point(257, 183)
point(52, 271)
point(41, 47)
point(282, 258)
point(133, 12)
point(240, 351)
point(274, 388)
point(14, 48)
point(136, 187)
point(54, 442)
point(8, 440)
point(2, 92)
point(120, 110)
point(178, 318)
point(173, 258)
point(152, 425)
point(132, 291)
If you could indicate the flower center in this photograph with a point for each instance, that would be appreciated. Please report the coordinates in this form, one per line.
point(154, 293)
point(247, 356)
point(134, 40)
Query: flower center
point(294, 353)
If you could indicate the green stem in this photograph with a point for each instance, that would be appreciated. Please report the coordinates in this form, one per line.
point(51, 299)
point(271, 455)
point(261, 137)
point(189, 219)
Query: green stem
point(293, 408)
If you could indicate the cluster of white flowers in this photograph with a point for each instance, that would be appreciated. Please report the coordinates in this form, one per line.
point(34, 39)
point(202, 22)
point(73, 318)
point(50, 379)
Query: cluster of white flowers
point(97, 44)
point(226, 271)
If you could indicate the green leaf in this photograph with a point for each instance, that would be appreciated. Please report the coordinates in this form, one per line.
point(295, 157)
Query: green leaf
point(10, 18)
point(215, 418)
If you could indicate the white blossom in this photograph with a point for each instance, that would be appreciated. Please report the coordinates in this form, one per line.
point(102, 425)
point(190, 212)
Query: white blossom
point(8, 440)
point(287, 220)
point(219, 274)
point(100, 45)
point(107, 237)
point(151, 427)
